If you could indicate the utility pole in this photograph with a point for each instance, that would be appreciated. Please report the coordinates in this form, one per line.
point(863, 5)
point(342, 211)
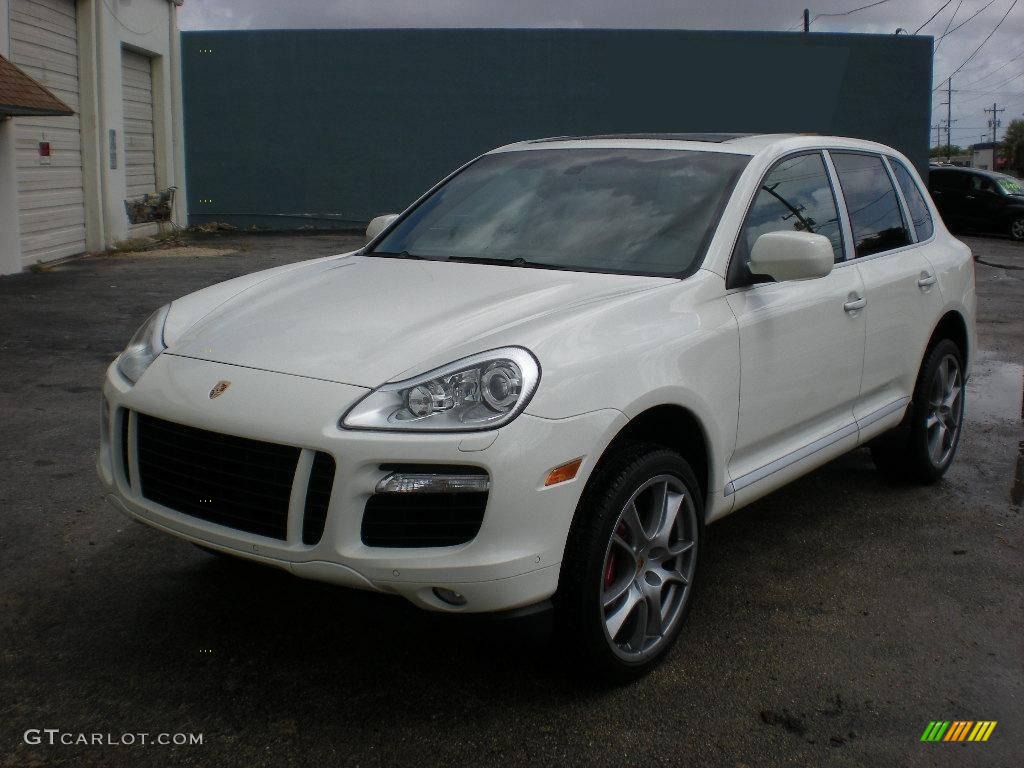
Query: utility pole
point(994, 124)
point(949, 117)
point(948, 104)
point(938, 135)
point(807, 19)
point(943, 125)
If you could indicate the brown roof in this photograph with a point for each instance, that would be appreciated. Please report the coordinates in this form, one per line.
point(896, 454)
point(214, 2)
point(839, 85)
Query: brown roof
point(21, 95)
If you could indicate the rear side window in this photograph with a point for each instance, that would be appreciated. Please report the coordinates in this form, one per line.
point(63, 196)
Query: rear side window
point(919, 213)
point(874, 209)
point(795, 196)
point(947, 180)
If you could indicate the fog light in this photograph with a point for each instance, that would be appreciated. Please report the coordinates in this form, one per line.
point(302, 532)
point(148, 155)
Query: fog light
point(430, 482)
point(449, 596)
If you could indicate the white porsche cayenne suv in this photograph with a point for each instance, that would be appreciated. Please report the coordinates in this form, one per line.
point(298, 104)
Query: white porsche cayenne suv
point(540, 382)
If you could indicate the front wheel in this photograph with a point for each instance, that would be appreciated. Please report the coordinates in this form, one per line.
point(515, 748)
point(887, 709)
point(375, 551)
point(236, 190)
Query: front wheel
point(631, 562)
point(923, 447)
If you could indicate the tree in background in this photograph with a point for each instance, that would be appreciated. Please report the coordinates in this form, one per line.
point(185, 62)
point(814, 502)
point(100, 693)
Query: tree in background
point(1013, 145)
point(942, 151)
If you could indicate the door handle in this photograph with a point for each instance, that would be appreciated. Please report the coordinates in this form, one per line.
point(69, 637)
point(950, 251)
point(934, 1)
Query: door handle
point(855, 305)
point(927, 280)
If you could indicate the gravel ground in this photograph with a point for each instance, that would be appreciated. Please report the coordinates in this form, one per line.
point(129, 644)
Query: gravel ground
point(837, 617)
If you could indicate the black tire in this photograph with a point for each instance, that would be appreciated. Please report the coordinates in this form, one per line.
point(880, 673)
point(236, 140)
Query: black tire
point(904, 454)
point(1017, 228)
point(580, 619)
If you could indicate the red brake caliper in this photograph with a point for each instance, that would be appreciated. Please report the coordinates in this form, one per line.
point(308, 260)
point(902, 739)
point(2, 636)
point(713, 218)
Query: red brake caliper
point(609, 572)
point(609, 569)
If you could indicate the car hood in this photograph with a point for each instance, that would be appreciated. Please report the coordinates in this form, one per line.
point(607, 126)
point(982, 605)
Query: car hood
point(367, 320)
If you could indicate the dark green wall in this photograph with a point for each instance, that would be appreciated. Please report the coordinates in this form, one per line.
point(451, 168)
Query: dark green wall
point(291, 129)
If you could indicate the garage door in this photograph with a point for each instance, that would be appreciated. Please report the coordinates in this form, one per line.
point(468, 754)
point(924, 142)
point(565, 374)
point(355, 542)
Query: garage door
point(51, 201)
point(139, 146)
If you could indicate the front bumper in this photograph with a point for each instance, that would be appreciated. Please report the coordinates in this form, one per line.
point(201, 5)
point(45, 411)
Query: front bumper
point(512, 562)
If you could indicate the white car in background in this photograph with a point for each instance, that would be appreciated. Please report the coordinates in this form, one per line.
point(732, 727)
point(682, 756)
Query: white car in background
point(549, 374)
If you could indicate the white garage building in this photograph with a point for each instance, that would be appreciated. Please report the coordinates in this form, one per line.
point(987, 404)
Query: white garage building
point(64, 178)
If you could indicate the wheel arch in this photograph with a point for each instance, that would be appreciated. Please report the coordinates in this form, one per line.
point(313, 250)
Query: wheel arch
point(672, 426)
point(952, 326)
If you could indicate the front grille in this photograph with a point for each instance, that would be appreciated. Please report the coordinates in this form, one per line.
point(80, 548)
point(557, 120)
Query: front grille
point(422, 519)
point(123, 416)
point(318, 497)
point(232, 481)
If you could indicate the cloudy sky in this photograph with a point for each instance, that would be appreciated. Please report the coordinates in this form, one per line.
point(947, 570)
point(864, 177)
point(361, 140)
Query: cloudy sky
point(995, 73)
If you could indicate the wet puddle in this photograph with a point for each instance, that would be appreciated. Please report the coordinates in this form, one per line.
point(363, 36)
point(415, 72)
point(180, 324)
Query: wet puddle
point(995, 394)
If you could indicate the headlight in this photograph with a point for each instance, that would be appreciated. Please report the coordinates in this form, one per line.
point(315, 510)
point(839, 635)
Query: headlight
point(146, 344)
point(479, 392)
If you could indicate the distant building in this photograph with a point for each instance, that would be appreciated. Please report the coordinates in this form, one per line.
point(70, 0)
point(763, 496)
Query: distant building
point(986, 157)
point(112, 131)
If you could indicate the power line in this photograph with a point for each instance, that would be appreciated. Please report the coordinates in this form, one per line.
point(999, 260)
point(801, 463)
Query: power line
point(995, 88)
point(1014, 55)
point(841, 13)
point(986, 95)
point(1005, 64)
point(987, 38)
point(946, 30)
point(852, 10)
point(944, 6)
point(968, 19)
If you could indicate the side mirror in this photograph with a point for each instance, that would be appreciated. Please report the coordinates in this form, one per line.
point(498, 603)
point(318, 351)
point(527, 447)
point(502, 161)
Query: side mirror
point(379, 224)
point(791, 256)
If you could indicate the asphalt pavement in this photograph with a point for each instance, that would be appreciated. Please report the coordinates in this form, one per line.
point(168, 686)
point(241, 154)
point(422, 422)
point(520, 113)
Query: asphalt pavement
point(836, 619)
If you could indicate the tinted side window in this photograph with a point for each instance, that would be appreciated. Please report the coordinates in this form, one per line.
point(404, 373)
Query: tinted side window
point(795, 196)
point(915, 200)
point(982, 184)
point(874, 209)
point(947, 179)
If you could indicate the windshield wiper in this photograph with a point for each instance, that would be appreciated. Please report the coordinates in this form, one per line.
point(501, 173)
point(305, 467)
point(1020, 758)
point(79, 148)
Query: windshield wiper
point(406, 255)
point(516, 262)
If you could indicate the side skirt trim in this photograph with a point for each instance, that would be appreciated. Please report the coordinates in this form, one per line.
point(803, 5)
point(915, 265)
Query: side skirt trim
point(811, 448)
point(882, 412)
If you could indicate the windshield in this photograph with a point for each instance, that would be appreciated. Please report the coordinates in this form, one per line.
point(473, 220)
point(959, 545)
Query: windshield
point(634, 211)
point(1010, 185)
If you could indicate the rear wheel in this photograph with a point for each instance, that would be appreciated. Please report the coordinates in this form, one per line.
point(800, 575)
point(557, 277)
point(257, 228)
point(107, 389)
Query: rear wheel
point(923, 447)
point(1017, 228)
point(631, 562)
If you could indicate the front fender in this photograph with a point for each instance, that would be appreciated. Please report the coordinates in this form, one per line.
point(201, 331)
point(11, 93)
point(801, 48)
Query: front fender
point(677, 346)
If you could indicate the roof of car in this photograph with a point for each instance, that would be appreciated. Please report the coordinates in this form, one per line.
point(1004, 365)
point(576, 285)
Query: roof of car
point(715, 138)
point(975, 171)
point(737, 143)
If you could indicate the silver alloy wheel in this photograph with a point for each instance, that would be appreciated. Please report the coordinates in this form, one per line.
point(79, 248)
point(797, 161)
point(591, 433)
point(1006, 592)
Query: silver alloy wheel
point(945, 411)
point(648, 567)
point(1017, 229)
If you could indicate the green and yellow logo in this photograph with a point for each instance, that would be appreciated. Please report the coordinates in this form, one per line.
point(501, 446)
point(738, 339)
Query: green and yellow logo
point(958, 730)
